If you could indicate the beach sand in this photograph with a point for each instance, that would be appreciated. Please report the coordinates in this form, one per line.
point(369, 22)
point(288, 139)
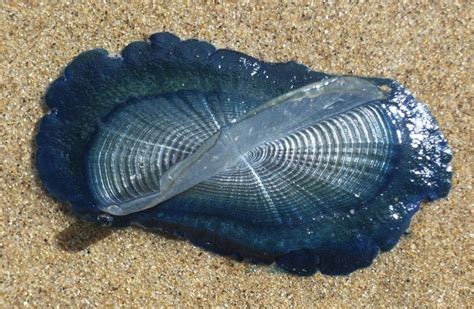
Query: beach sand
point(48, 258)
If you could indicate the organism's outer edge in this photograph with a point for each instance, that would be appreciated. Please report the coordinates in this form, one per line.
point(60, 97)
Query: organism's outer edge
point(67, 128)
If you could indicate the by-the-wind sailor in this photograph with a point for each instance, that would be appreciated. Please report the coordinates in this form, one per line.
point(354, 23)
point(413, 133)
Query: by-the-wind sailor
point(267, 161)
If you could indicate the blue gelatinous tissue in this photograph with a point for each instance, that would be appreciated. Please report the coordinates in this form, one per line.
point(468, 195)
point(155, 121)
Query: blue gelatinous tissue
point(267, 161)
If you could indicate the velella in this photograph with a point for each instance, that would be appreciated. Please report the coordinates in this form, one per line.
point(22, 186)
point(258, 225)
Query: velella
point(270, 162)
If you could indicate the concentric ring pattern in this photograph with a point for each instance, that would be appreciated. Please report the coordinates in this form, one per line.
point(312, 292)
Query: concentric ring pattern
point(328, 167)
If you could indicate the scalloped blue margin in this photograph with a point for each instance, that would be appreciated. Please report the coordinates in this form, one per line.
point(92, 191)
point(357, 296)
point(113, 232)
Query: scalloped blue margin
point(91, 69)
